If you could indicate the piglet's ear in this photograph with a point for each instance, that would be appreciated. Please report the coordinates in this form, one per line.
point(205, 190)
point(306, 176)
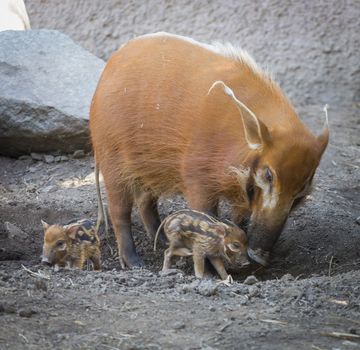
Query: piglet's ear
point(45, 225)
point(71, 231)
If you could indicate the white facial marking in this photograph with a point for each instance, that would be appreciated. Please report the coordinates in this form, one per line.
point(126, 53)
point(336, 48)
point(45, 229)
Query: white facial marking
point(270, 198)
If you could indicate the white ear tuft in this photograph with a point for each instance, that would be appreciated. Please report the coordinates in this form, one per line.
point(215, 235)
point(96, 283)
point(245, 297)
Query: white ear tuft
point(44, 225)
point(256, 133)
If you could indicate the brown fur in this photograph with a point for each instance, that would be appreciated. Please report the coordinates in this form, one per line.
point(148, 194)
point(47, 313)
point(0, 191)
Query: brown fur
point(194, 233)
point(63, 246)
point(156, 130)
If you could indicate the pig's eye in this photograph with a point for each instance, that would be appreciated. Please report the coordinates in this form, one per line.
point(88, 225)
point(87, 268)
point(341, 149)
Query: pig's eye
point(236, 245)
point(268, 175)
point(60, 243)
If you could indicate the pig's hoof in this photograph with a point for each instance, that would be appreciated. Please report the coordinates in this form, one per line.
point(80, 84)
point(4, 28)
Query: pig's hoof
point(133, 261)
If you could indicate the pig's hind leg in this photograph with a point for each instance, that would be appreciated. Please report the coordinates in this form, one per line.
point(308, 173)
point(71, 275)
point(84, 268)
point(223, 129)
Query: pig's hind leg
point(147, 204)
point(171, 251)
point(120, 205)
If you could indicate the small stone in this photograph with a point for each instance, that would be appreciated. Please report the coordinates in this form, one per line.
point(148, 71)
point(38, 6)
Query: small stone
point(254, 291)
point(57, 159)
point(179, 325)
point(358, 220)
point(207, 288)
point(36, 156)
point(48, 158)
point(64, 158)
point(79, 154)
point(287, 277)
point(26, 313)
point(251, 280)
point(212, 308)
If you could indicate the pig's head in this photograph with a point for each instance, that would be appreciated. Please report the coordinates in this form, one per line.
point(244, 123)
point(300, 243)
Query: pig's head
point(235, 243)
point(57, 243)
point(282, 161)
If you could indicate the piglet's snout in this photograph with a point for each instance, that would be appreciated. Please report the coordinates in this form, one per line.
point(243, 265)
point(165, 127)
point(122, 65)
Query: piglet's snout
point(243, 261)
point(45, 260)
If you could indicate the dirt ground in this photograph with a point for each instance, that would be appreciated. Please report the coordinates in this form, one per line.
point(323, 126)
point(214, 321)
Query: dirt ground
point(309, 298)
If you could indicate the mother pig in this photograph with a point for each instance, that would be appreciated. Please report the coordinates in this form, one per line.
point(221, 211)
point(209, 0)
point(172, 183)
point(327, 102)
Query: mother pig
point(172, 115)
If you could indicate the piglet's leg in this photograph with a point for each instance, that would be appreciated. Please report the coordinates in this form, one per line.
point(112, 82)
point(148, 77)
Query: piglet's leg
point(167, 259)
point(199, 265)
point(219, 267)
point(96, 260)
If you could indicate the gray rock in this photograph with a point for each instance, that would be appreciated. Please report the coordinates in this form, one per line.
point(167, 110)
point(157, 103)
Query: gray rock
point(251, 280)
point(14, 231)
point(358, 220)
point(47, 82)
point(48, 158)
point(36, 156)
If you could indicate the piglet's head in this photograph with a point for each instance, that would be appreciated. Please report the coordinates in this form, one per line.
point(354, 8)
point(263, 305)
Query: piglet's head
point(235, 243)
point(57, 242)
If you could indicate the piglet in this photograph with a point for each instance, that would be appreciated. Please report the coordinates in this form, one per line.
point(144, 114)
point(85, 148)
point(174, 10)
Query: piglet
point(71, 245)
point(191, 232)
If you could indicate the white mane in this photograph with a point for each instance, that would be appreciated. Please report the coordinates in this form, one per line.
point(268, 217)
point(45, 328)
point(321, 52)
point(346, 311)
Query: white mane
point(224, 49)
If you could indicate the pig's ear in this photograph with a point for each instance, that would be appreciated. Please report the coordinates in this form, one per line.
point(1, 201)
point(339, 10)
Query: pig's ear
point(71, 231)
point(234, 247)
point(45, 225)
point(220, 230)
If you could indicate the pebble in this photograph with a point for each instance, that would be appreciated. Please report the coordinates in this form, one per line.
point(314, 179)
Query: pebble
point(57, 159)
point(48, 158)
point(64, 158)
point(36, 156)
point(254, 291)
point(287, 277)
point(179, 325)
point(26, 313)
point(251, 280)
point(358, 220)
point(79, 154)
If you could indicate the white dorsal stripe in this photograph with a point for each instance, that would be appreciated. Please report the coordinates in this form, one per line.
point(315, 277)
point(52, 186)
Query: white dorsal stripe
point(224, 49)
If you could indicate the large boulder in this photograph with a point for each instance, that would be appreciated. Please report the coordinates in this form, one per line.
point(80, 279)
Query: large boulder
point(47, 82)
